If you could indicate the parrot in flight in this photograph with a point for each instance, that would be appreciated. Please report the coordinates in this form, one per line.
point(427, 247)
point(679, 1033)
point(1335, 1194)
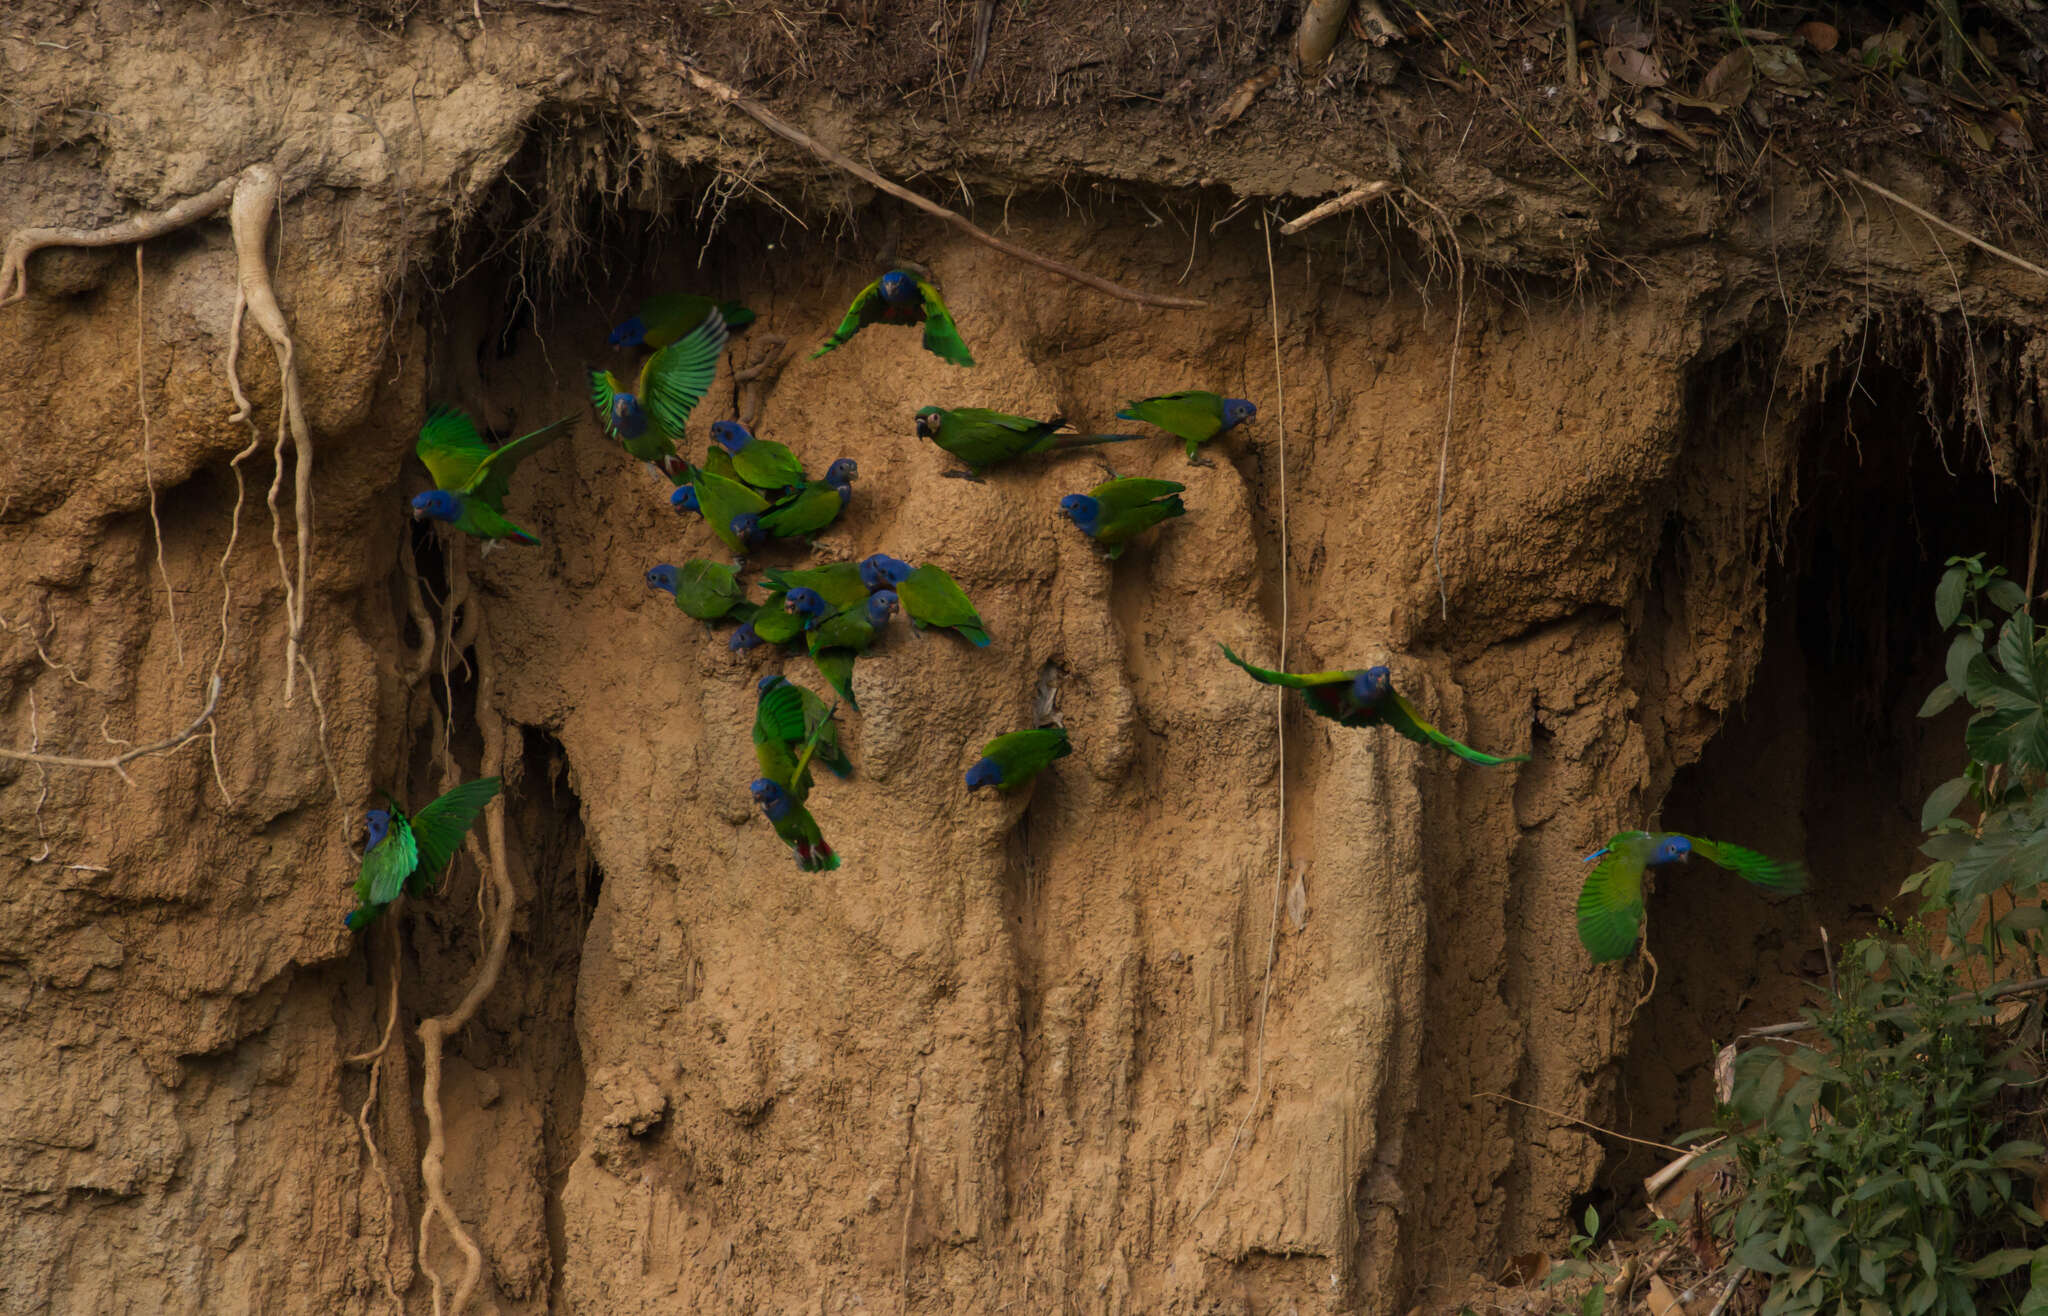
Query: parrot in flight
point(1611, 901)
point(705, 590)
point(667, 316)
point(1194, 416)
point(399, 849)
point(815, 505)
point(900, 297)
point(785, 715)
point(471, 478)
point(762, 463)
point(649, 419)
point(1367, 698)
point(930, 597)
point(1117, 511)
point(982, 438)
point(1011, 761)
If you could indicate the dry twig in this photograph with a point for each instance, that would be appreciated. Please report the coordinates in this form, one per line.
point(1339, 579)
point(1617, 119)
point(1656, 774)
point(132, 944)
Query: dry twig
point(119, 761)
point(1356, 197)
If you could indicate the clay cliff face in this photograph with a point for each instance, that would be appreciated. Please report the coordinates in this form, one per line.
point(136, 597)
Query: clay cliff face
point(1113, 1047)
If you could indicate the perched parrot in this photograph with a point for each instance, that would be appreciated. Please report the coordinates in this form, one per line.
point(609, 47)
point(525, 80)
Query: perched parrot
point(836, 636)
point(471, 478)
point(1010, 761)
point(722, 502)
point(763, 463)
point(707, 591)
point(794, 824)
point(1117, 511)
point(667, 316)
point(840, 584)
point(982, 438)
point(785, 714)
point(1364, 699)
point(772, 624)
point(930, 597)
point(1194, 416)
point(650, 419)
point(815, 505)
point(879, 571)
point(399, 850)
point(900, 297)
point(1611, 901)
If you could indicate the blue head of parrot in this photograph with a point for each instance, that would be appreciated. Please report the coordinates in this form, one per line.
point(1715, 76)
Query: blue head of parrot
point(879, 571)
point(774, 801)
point(1083, 509)
point(767, 683)
point(743, 638)
point(627, 417)
point(881, 607)
point(664, 576)
point(987, 772)
point(807, 603)
point(1371, 685)
point(899, 289)
point(437, 503)
point(731, 435)
point(1668, 849)
point(1237, 410)
point(746, 527)
point(629, 334)
point(379, 822)
point(355, 920)
point(842, 473)
point(684, 499)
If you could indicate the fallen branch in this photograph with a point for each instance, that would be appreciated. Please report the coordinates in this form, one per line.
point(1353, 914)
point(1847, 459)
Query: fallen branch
point(706, 83)
point(2024, 987)
point(1356, 197)
point(26, 242)
point(1933, 218)
point(118, 762)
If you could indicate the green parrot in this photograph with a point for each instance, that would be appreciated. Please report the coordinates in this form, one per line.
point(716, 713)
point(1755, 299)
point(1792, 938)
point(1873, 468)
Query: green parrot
point(982, 438)
point(649, 420)
point(1116, 511)
point(667, 316)
point(1195, 416)
point(815, 505)
point(791, 820)
point(838, 583)
point(1611, 901)
point(1365, 698)
point(471, 478)
point(708, 591)
point(930, 597)
point(730, 508)
point(900, 297)
point(398, 850)
point(836, 636)
point(785, 715)
point(1011, 761)
point(763, 463)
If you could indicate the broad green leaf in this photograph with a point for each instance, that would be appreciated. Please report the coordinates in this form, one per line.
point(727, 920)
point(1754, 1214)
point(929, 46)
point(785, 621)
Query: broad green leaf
point(1942, 803)
point(2002, 1262)
point(1987, 687)
point(1823, 1233)
point(1948, 597)
point(1956, 666)
point(2016, 651)
point(1939, 698)
point(2006, 595)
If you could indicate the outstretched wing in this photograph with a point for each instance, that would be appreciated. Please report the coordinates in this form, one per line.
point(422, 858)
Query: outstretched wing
point(941, 336)
point(494, 474)
point(1292, 680)
point(450, 448)
point(1399, 714)
point(386, 865)
point(603, 389)
point(865, 310)
point(440, 826)
point(1779, 875)
point(678, 375)
point(1611, 902)
point(780, 715)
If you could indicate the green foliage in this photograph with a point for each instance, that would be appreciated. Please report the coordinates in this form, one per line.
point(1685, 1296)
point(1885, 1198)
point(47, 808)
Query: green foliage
point(1884, 1164)
point(1582, 1265)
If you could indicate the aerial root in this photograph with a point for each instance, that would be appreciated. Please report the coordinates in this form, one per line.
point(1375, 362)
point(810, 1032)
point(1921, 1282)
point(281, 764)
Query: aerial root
point(393, 1205)
point(762, 372)
point(118, 763)
point(28, 241)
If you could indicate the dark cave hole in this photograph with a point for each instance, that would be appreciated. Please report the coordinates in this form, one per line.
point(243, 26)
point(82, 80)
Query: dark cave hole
point(1825, 755)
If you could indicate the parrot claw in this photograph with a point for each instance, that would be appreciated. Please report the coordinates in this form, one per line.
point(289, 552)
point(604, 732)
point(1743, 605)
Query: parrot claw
point(963, 475)
point(1201, 461)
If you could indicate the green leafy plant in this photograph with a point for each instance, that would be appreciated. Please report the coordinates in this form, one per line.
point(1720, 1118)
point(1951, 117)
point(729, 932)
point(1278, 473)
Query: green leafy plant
point(1885, 1164)
point(1583, 1264)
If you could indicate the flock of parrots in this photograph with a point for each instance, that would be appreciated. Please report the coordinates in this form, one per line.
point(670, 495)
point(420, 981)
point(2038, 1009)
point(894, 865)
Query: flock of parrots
point(749, 490)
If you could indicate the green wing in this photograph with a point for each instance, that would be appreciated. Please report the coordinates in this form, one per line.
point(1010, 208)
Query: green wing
point(813, 741)
point(1783, 876)
point(450, 448)
point(441, 825)
point(1292, 680)
point(720, 500)
point(838, 583)
point(1119, 496)
point(836, 666)
point(932, 597)
point(768, 465)
point(776, 624)
point(605, 386)
point(865, 310)
point(1611, 901)
point(1194, 415)
point(387, 864)
point(941, 336)
point(849, 629)
point(1399, 714)
point(780, 715)
point(486, 522)
point(676, 377)
point(1024, 754)
point(493, 477)
point(708, 590)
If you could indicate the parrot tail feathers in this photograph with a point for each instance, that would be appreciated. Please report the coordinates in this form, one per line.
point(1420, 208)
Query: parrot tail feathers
point(816, 856)
point(1065, 441)
point(974, 635)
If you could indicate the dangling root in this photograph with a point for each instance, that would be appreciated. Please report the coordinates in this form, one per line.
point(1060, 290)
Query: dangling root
point(156, 527)
point(28, 241)
point(762, 373)
point(393, 1205)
